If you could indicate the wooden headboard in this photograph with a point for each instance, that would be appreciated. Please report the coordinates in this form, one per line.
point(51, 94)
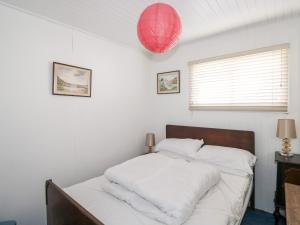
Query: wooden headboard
point(213, 136)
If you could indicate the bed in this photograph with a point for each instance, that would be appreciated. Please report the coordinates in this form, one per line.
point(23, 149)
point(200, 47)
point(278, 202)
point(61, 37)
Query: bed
point(86, 203)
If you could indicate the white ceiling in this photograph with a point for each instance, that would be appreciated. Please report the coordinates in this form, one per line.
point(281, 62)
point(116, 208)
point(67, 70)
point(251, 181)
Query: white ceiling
point(117, 19)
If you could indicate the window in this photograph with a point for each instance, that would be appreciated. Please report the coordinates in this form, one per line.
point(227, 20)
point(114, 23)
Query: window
point(254, 80)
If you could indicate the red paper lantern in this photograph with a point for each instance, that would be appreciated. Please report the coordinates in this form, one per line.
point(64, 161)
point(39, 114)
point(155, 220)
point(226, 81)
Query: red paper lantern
point(159, 27)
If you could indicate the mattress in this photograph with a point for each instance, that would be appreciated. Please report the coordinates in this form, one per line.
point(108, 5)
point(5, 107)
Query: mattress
point(224, 204)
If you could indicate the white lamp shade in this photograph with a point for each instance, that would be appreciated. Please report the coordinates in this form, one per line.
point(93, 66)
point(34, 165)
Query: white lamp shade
point(286, 128)
point(150, 140)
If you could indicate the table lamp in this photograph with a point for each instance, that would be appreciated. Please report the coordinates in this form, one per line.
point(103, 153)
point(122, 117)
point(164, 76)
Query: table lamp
point(285, 130)
point(150, 141)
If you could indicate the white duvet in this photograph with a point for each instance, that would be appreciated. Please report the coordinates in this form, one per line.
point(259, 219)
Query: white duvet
point(215, 208)
point(162, 188)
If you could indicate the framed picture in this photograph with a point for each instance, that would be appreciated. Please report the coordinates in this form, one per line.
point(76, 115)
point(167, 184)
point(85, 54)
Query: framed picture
point(168, 82)
point(71, 80)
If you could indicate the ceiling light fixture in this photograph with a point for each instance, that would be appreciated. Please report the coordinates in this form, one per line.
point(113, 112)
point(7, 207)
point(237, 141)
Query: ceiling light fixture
point(159, 27)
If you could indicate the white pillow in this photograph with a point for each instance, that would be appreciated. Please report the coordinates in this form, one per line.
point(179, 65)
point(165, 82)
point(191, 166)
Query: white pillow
point(186, 147)
point(232, 160)
point(174, 155)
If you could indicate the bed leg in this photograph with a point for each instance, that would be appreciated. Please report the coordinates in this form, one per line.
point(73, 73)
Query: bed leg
point(252, 205)
point(252, 199)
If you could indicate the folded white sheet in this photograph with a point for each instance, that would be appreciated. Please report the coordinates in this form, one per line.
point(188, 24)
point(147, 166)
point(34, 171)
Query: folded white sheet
point(172, 187)
point(137, 202)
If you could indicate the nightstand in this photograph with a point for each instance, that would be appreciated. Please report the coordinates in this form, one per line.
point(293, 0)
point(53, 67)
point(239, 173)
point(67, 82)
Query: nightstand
point(283, 165)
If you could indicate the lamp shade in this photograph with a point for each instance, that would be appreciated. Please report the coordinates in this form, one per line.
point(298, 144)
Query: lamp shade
point(159, 27)
point(286, 128)
point(150, 140)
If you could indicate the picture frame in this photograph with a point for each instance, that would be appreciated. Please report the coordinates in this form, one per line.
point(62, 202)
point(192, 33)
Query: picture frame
point(168, 82)
point(71, 80)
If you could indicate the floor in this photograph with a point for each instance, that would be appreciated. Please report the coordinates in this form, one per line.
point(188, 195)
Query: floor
point(258, 217)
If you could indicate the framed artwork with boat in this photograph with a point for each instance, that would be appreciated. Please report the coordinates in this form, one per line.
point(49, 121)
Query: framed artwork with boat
point(71, 80)
point(168, 82)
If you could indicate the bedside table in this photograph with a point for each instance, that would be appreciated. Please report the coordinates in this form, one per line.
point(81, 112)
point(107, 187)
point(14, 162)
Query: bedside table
point(292, 199)
point(283, 165)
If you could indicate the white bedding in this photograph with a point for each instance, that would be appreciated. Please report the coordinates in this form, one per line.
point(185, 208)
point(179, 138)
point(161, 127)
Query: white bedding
point(224, 204)
point(162, 188)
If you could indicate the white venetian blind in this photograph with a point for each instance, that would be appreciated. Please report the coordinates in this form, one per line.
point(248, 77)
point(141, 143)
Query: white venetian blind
point(254, 80)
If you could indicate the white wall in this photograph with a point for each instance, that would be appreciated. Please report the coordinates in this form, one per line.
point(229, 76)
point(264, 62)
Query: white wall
point(68, 139)
point(173, 109)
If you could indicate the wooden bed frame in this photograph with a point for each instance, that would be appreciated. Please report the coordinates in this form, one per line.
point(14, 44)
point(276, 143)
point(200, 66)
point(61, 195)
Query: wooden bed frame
point(63, 210)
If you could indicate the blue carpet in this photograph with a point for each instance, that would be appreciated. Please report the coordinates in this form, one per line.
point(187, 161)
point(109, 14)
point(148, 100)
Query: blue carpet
point(258, 217)
point(8, 223)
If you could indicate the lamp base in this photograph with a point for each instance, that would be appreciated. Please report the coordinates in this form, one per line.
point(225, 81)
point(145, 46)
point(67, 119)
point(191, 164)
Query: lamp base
point(286, 148)
point(150, 149)
point(290, 154)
